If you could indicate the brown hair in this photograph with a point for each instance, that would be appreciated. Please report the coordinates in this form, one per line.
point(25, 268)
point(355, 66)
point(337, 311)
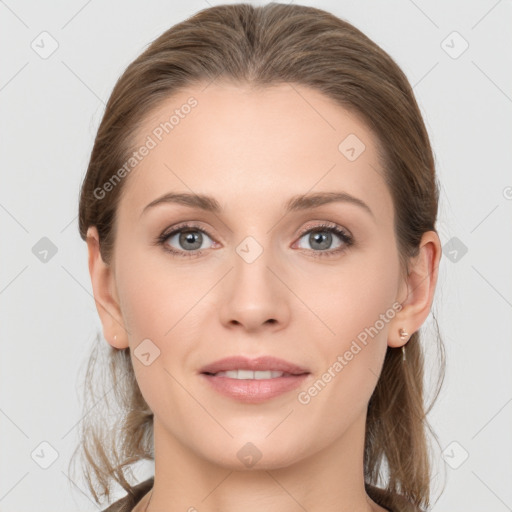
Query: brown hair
point(261, 46)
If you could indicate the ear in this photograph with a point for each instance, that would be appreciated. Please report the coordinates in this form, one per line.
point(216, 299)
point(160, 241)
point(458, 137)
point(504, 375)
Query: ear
point(417, 291)
point(105, 293)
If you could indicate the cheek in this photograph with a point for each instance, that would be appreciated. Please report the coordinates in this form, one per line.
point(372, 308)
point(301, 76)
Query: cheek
point(355, 301)
point(155, 293)
point(351, 295)
point(357, 306)
point(157, 302)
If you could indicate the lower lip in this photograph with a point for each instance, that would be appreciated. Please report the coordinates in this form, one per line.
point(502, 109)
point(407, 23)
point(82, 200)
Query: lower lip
point(254, 391)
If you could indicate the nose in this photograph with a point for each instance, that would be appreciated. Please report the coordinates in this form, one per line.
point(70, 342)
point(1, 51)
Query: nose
point(253, 297)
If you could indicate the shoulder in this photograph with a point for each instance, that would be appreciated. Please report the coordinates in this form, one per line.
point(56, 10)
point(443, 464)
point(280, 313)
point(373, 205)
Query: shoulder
point(392, 502)
point(127, 503)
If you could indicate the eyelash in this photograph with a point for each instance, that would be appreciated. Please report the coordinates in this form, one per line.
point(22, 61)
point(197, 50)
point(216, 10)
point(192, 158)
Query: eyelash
point(332, 228)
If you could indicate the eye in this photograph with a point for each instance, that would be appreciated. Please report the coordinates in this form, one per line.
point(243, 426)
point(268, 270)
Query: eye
point(183, 239)
point(320, 239)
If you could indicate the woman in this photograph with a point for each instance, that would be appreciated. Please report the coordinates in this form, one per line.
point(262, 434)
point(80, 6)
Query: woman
point(259, 210)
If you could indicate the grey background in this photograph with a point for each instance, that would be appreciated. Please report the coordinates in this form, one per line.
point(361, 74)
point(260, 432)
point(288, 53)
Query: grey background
point(51, 108)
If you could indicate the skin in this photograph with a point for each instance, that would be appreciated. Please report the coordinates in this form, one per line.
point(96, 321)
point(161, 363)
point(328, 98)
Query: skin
point(252, 150)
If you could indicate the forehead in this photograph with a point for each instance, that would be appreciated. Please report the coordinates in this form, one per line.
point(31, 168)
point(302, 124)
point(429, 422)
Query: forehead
point(244, 144)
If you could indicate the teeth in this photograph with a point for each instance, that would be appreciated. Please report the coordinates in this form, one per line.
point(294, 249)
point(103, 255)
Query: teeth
point(249, 374)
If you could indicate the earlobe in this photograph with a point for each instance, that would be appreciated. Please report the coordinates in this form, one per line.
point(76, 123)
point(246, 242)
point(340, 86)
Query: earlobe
point(420, 287)
point(103, 285)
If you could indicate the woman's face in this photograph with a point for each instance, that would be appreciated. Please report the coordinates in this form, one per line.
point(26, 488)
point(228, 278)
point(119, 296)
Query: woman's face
point(255, 278)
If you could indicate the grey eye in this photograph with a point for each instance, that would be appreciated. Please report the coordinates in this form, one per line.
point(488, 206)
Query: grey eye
point(188, 240)
point(319, 240)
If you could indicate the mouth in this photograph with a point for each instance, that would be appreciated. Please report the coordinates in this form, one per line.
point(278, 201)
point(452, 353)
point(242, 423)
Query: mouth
point(253, 380)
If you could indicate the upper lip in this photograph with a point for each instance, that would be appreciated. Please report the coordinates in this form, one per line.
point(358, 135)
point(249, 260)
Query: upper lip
point(261, 363)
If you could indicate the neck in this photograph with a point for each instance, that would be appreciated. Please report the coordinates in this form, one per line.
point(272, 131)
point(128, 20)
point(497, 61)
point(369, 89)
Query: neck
point(329, 480)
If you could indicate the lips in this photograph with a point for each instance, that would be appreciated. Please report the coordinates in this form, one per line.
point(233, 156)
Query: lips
point(260, 364)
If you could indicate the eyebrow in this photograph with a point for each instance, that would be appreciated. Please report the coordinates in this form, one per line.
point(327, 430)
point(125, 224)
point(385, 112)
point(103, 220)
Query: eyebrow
point(296, 203)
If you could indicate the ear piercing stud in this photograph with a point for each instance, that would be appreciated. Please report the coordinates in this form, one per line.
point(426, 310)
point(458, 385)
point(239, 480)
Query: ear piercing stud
point(403, 333)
